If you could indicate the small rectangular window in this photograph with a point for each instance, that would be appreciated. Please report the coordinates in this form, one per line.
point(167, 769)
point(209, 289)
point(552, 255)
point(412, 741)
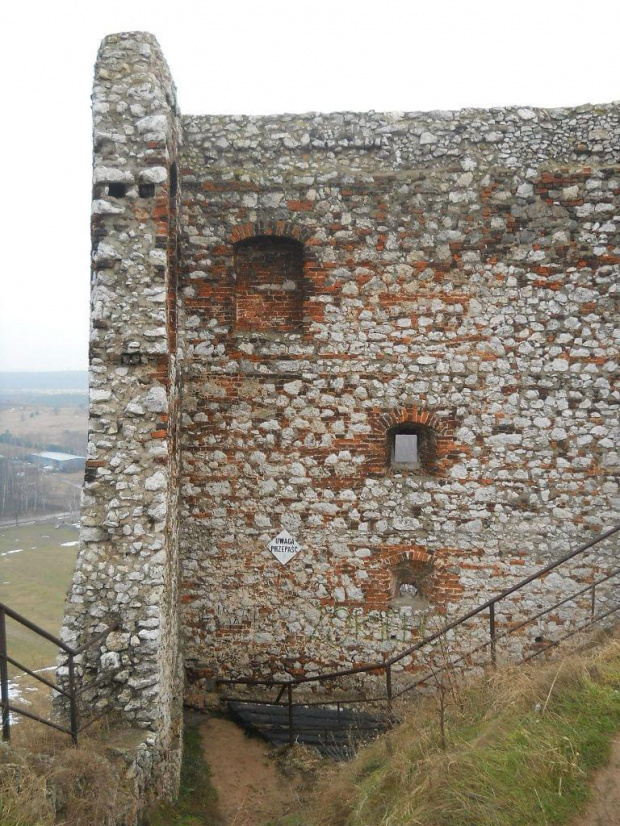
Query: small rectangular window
point(146, 190)
point(405, 448)
point(117, 190)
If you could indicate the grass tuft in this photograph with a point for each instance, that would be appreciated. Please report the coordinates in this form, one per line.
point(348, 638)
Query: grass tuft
point(24, 800)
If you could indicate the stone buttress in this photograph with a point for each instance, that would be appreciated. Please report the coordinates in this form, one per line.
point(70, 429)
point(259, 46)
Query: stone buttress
point(127, 564)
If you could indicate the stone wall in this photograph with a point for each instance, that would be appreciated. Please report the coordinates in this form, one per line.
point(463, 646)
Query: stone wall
point(459, 275)
point(127, 568)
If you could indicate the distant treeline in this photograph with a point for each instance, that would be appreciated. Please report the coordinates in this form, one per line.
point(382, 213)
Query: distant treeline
point(56, 380)
point(8, 438)
point(30, 398)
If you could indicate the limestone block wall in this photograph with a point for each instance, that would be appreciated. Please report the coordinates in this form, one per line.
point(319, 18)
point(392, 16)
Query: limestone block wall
point(127, 564)
point(458, 276)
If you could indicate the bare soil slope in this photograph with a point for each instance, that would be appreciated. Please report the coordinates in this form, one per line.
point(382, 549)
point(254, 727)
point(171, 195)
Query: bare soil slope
point(604, 810)
point(251, 791)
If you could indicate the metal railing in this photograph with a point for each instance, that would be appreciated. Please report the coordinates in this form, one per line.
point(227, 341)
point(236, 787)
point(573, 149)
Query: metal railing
point(70, 692)
point(385, 667)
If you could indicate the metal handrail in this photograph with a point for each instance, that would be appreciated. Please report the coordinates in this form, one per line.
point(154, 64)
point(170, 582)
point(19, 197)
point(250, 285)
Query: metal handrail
point(467, 655)
point(385, 666)
point(71, 693)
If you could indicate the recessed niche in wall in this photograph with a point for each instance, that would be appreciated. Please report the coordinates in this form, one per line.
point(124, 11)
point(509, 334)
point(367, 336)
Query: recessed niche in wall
point(412, 447)
point(117, 190)
point(269, 284)
point(411, 585)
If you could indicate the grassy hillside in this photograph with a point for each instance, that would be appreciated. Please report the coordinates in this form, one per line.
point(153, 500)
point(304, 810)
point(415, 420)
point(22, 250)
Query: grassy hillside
point(34, 582)
point(521, 748)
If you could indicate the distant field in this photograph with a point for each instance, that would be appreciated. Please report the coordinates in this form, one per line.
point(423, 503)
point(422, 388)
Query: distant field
point(44, 398)
point(34, 582)
point(63, 426)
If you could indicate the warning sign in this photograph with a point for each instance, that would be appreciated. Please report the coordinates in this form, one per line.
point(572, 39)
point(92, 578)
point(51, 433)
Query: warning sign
point(284, 547)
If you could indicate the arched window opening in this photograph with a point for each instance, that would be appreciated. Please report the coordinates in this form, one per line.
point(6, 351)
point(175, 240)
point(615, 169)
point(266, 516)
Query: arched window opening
point(412, 447)
point(269, 284)
point(411, 585)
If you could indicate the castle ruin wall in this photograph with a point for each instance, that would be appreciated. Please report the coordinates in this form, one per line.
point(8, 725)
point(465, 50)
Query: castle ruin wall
point(460, 274)
point(274, 301)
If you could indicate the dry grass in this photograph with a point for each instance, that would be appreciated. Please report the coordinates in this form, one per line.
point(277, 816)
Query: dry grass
point(48, 781)
point(24, 800)
point(521, 746)
point(46, 424)
point(89, 788)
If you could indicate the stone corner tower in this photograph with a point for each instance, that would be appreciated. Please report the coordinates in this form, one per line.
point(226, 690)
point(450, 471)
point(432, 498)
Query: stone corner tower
point(127, 565)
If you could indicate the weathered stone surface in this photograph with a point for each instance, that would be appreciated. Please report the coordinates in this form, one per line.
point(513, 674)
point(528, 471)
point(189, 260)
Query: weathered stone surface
point(453, 269)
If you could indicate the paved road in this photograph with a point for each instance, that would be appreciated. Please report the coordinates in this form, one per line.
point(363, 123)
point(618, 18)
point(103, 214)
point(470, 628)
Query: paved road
point(44, 517)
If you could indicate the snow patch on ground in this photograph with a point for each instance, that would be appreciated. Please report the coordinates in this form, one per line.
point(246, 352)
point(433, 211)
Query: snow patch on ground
point(16, 691)
point(16, 696)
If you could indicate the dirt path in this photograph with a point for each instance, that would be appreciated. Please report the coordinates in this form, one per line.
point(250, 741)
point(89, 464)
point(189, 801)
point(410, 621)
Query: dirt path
point(604, 810)
point(250, 789)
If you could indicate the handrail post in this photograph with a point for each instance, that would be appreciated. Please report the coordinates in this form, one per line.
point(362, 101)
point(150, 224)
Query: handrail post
point(388, 687)
point(291, 734)
point(593, 600)
point(492, 633)
point(4, 678)
point(73, 701)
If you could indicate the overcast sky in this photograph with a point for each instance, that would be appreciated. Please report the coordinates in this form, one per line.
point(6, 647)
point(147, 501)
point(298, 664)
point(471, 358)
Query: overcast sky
point(253, 57)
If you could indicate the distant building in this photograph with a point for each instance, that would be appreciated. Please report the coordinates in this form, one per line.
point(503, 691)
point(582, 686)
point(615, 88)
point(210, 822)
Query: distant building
point(63, 462)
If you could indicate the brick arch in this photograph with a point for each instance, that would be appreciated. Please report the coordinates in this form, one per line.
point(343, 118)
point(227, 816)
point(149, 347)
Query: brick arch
point(413, 414)
point(281, 229)
point(446, 450)
point(443, 583)
point(413, 555)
